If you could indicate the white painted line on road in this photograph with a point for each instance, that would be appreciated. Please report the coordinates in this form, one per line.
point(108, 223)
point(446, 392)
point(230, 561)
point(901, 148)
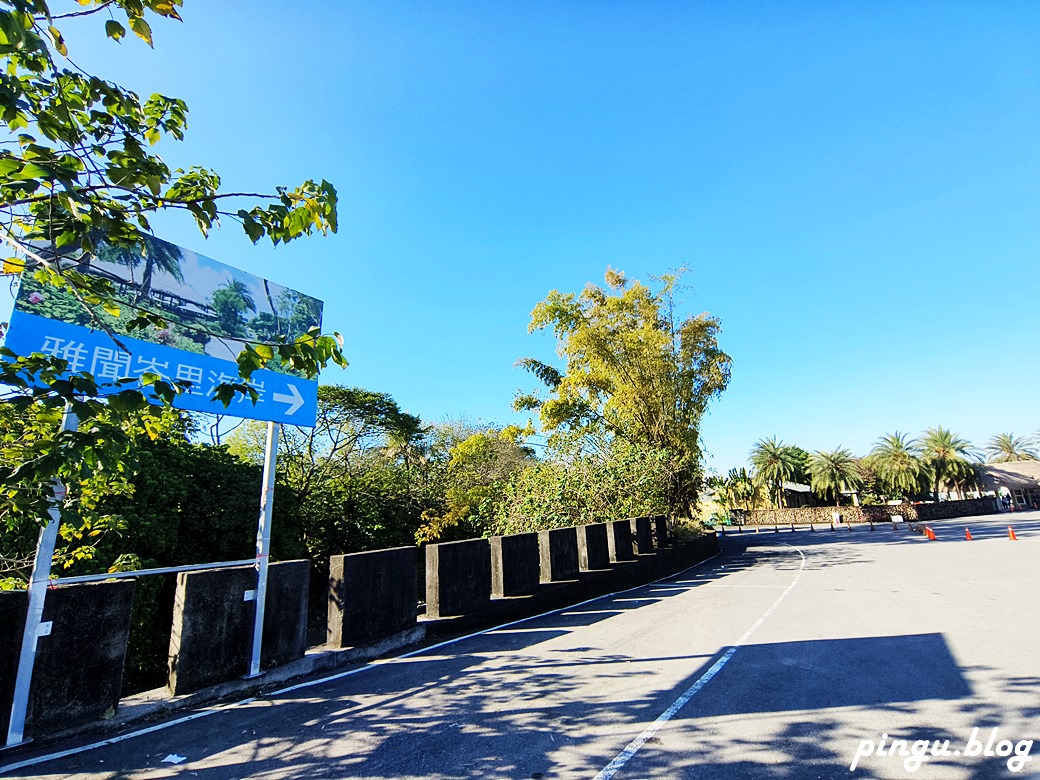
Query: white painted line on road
point(330, 678)
point(633, 747)
point(120, 738)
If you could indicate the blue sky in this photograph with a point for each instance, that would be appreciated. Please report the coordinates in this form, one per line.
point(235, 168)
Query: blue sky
point(855, 188)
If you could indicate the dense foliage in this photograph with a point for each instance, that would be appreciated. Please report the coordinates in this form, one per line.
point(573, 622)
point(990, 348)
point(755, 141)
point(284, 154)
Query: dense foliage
point(635, 371)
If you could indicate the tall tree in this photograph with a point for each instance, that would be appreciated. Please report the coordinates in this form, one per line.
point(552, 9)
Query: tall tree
point(634, 369)
point(774, 464)
point(946, 455)
point(231, 301)
point(150, 252)
point(834, 472)
point(898, 465)
point(350, 422)
point(741, 488)
point(1006, 447)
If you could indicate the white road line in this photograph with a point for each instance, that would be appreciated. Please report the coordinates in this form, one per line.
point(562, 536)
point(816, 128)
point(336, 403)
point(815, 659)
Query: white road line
point(633, 747)
point(330, 678)
point(120, 738)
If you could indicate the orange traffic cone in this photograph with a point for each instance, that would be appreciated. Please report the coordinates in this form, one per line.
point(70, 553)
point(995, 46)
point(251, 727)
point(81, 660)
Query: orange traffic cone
point(930, 533)
point(967, 534)
point(1011, 534)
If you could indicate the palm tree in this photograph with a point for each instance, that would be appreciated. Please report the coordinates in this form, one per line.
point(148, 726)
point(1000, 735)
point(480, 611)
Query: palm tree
point(1006, 447)
point(231, 301)
point(774, 463)
point(740, 487)
point(153, 253)
point(946, 456)
point(833, 472)
point(898, 466)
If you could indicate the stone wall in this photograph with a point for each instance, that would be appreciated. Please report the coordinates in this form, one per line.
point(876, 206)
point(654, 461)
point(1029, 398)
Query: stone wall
point(974, 506)
point(822, 515)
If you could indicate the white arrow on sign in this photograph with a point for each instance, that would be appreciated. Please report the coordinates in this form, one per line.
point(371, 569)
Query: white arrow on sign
point(294, 399)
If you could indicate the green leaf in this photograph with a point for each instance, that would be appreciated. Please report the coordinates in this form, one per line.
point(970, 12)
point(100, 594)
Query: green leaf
point(114, 30)
point(59, 42)
point(141, 29)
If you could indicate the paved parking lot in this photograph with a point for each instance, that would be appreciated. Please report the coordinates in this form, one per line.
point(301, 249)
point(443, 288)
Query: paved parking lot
point(782, 658)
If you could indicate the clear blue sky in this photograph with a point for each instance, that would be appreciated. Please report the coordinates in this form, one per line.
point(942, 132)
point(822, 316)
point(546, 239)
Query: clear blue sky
point(855, 186)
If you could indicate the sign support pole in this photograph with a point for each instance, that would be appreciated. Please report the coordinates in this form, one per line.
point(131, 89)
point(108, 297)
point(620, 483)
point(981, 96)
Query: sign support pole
point(263, 546)
point(34, 627)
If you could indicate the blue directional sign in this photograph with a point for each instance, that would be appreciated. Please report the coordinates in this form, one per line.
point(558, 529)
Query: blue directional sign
point(211, 311)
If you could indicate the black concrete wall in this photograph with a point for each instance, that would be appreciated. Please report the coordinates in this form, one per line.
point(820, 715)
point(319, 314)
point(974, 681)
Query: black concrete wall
point(619, 541)
point(12, 621)
point(371, 594)
point(213, 624)
point(78, 672)
point(593, 550)
point(642, 535)
point(558, 551)
point(590, 584)
point(458, 577)
point(661, 536)
point(514, 565)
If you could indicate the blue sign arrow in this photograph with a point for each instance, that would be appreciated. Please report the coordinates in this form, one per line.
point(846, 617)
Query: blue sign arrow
point(283, 398)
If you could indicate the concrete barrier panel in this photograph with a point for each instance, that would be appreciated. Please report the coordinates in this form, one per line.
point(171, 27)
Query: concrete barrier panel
point(514, 565)
point(12, 622)
point(661, 536)
point(619, 541)
point(558, 551)
point(213, 623)
point(458, 577)
point(78, 673)
point(593, 550)
point(642, 535)
point(371, 594)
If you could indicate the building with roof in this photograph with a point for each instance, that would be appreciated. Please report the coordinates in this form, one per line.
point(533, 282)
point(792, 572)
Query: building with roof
point(1020, 479)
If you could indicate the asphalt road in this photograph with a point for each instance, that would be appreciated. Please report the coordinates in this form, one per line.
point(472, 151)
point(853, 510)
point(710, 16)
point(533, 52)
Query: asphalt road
point(782, 658)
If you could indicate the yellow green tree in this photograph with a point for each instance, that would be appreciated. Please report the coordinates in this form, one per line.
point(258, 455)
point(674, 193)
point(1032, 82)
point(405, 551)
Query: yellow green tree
point(634, 369)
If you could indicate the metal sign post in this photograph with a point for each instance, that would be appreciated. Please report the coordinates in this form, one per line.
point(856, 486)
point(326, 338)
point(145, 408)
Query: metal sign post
point(34, 627)
point(263, 546)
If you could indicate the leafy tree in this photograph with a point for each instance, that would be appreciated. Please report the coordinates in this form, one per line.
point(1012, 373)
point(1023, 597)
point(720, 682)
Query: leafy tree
point(801, 458)
point(93, 469)
point(231, 301)
point(351, 423)
point(833, 472)
point(77, 167)
point(1006, 447)
point(479, 468)
point(633, 371)
point(774, 464)
point(946, 455)
point(576, 484)
point(741, 488)
point(898, 466)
